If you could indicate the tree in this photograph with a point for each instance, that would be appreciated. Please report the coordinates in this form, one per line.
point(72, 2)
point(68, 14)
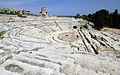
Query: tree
point(115, 19)
point(119, 21)
point(77, 16)
point(101, 18)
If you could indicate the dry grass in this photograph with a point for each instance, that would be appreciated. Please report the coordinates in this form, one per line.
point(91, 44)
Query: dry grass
point(111, 30)
point(106, 49)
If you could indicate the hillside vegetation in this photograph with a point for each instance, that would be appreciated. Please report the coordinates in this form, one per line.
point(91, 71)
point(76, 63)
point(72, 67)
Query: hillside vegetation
point(104, 18)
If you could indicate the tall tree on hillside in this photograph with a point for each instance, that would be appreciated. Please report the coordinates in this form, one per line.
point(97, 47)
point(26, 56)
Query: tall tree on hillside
point(118, 21)
point(115, 18)
point(101, 18)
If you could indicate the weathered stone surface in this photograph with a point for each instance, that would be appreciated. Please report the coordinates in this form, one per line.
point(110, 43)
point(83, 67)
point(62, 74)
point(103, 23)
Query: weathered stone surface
point(51, 46)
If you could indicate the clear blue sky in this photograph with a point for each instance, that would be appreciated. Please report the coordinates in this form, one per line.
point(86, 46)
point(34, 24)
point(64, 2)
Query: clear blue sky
point(62, 7)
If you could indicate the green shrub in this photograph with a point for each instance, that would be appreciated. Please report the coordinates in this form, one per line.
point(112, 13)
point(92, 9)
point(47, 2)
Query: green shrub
point(85, 26)
point(19, 15)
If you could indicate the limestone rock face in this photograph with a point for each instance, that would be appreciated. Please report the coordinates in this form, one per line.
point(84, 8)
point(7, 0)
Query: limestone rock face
point(57, 46)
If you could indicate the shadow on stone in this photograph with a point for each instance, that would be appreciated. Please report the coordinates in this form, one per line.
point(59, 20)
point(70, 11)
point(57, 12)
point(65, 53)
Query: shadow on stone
point(14, 68)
